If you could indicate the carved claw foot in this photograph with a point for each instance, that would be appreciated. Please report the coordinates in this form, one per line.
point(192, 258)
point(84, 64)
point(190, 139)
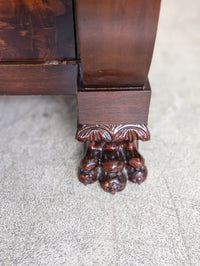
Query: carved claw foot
point(112, 156)
point(107, 162)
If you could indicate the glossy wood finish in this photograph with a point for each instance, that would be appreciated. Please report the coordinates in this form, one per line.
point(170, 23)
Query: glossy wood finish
point(36, 29)
point(112, 156)
point(39, 54)
point(112, 133)
point(116, 45)
point(116, 41)
point(38, 79)
point(114, 106)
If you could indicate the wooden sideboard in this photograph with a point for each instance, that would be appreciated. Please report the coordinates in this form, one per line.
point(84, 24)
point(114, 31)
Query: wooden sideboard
point(101, 52)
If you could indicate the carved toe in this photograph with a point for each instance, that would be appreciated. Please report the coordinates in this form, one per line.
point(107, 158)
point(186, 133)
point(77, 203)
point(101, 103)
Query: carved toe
point(88, 177)
point(137, 175)
point(113, 182)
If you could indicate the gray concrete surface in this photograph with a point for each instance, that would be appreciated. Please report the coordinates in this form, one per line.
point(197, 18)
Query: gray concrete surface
point(48, 218)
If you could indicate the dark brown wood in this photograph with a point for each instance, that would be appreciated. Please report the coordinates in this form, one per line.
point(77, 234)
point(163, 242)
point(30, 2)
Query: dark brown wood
point(116, 46)
point(112, 133)
point(116, 41)
point(38, 79)
point(112, 156)
point(39, 54)
point(114, 106)
point(36, 29)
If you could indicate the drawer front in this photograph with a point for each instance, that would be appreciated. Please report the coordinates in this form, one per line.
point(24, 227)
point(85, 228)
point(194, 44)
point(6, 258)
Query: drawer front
point(36, 29)
point(38, 79)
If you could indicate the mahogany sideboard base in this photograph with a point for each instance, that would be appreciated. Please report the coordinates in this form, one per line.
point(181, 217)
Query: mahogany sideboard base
point(112, 155)
point(100, 51)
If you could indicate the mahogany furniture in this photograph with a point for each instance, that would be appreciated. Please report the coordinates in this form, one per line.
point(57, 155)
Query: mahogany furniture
point(99, 51)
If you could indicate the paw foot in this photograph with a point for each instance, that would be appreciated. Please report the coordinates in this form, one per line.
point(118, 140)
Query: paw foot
point(107, 162)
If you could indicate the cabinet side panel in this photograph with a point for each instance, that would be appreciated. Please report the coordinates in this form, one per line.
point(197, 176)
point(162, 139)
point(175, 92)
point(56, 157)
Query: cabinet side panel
point(116, 41)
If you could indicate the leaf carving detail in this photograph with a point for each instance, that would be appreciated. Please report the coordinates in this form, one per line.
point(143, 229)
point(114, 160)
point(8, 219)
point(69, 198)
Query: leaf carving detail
point(109, 133)
point(131, 132)
point(93, 133)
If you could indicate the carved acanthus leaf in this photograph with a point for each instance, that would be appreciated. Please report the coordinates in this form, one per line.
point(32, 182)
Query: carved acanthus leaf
point(93, 133)
point(131, 132)
point(109, 133)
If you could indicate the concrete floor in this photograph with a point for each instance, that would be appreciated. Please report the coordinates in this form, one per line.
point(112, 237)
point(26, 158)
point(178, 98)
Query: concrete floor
point(48, 218)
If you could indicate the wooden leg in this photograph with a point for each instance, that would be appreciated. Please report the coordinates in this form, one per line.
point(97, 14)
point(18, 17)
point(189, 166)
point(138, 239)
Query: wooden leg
point(116, 41)
point(112, 156)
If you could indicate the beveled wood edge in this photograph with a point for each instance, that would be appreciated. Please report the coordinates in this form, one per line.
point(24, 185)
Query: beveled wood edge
point(146, 87)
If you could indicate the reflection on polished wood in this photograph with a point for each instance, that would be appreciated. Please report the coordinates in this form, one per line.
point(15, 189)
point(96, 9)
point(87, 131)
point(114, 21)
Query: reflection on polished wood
point(116, 41)
point(112, 155)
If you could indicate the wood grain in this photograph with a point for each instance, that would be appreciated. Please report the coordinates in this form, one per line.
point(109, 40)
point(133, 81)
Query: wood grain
point(114, 107)
point(36, 29)
point(116, 41)
point(38, 79)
